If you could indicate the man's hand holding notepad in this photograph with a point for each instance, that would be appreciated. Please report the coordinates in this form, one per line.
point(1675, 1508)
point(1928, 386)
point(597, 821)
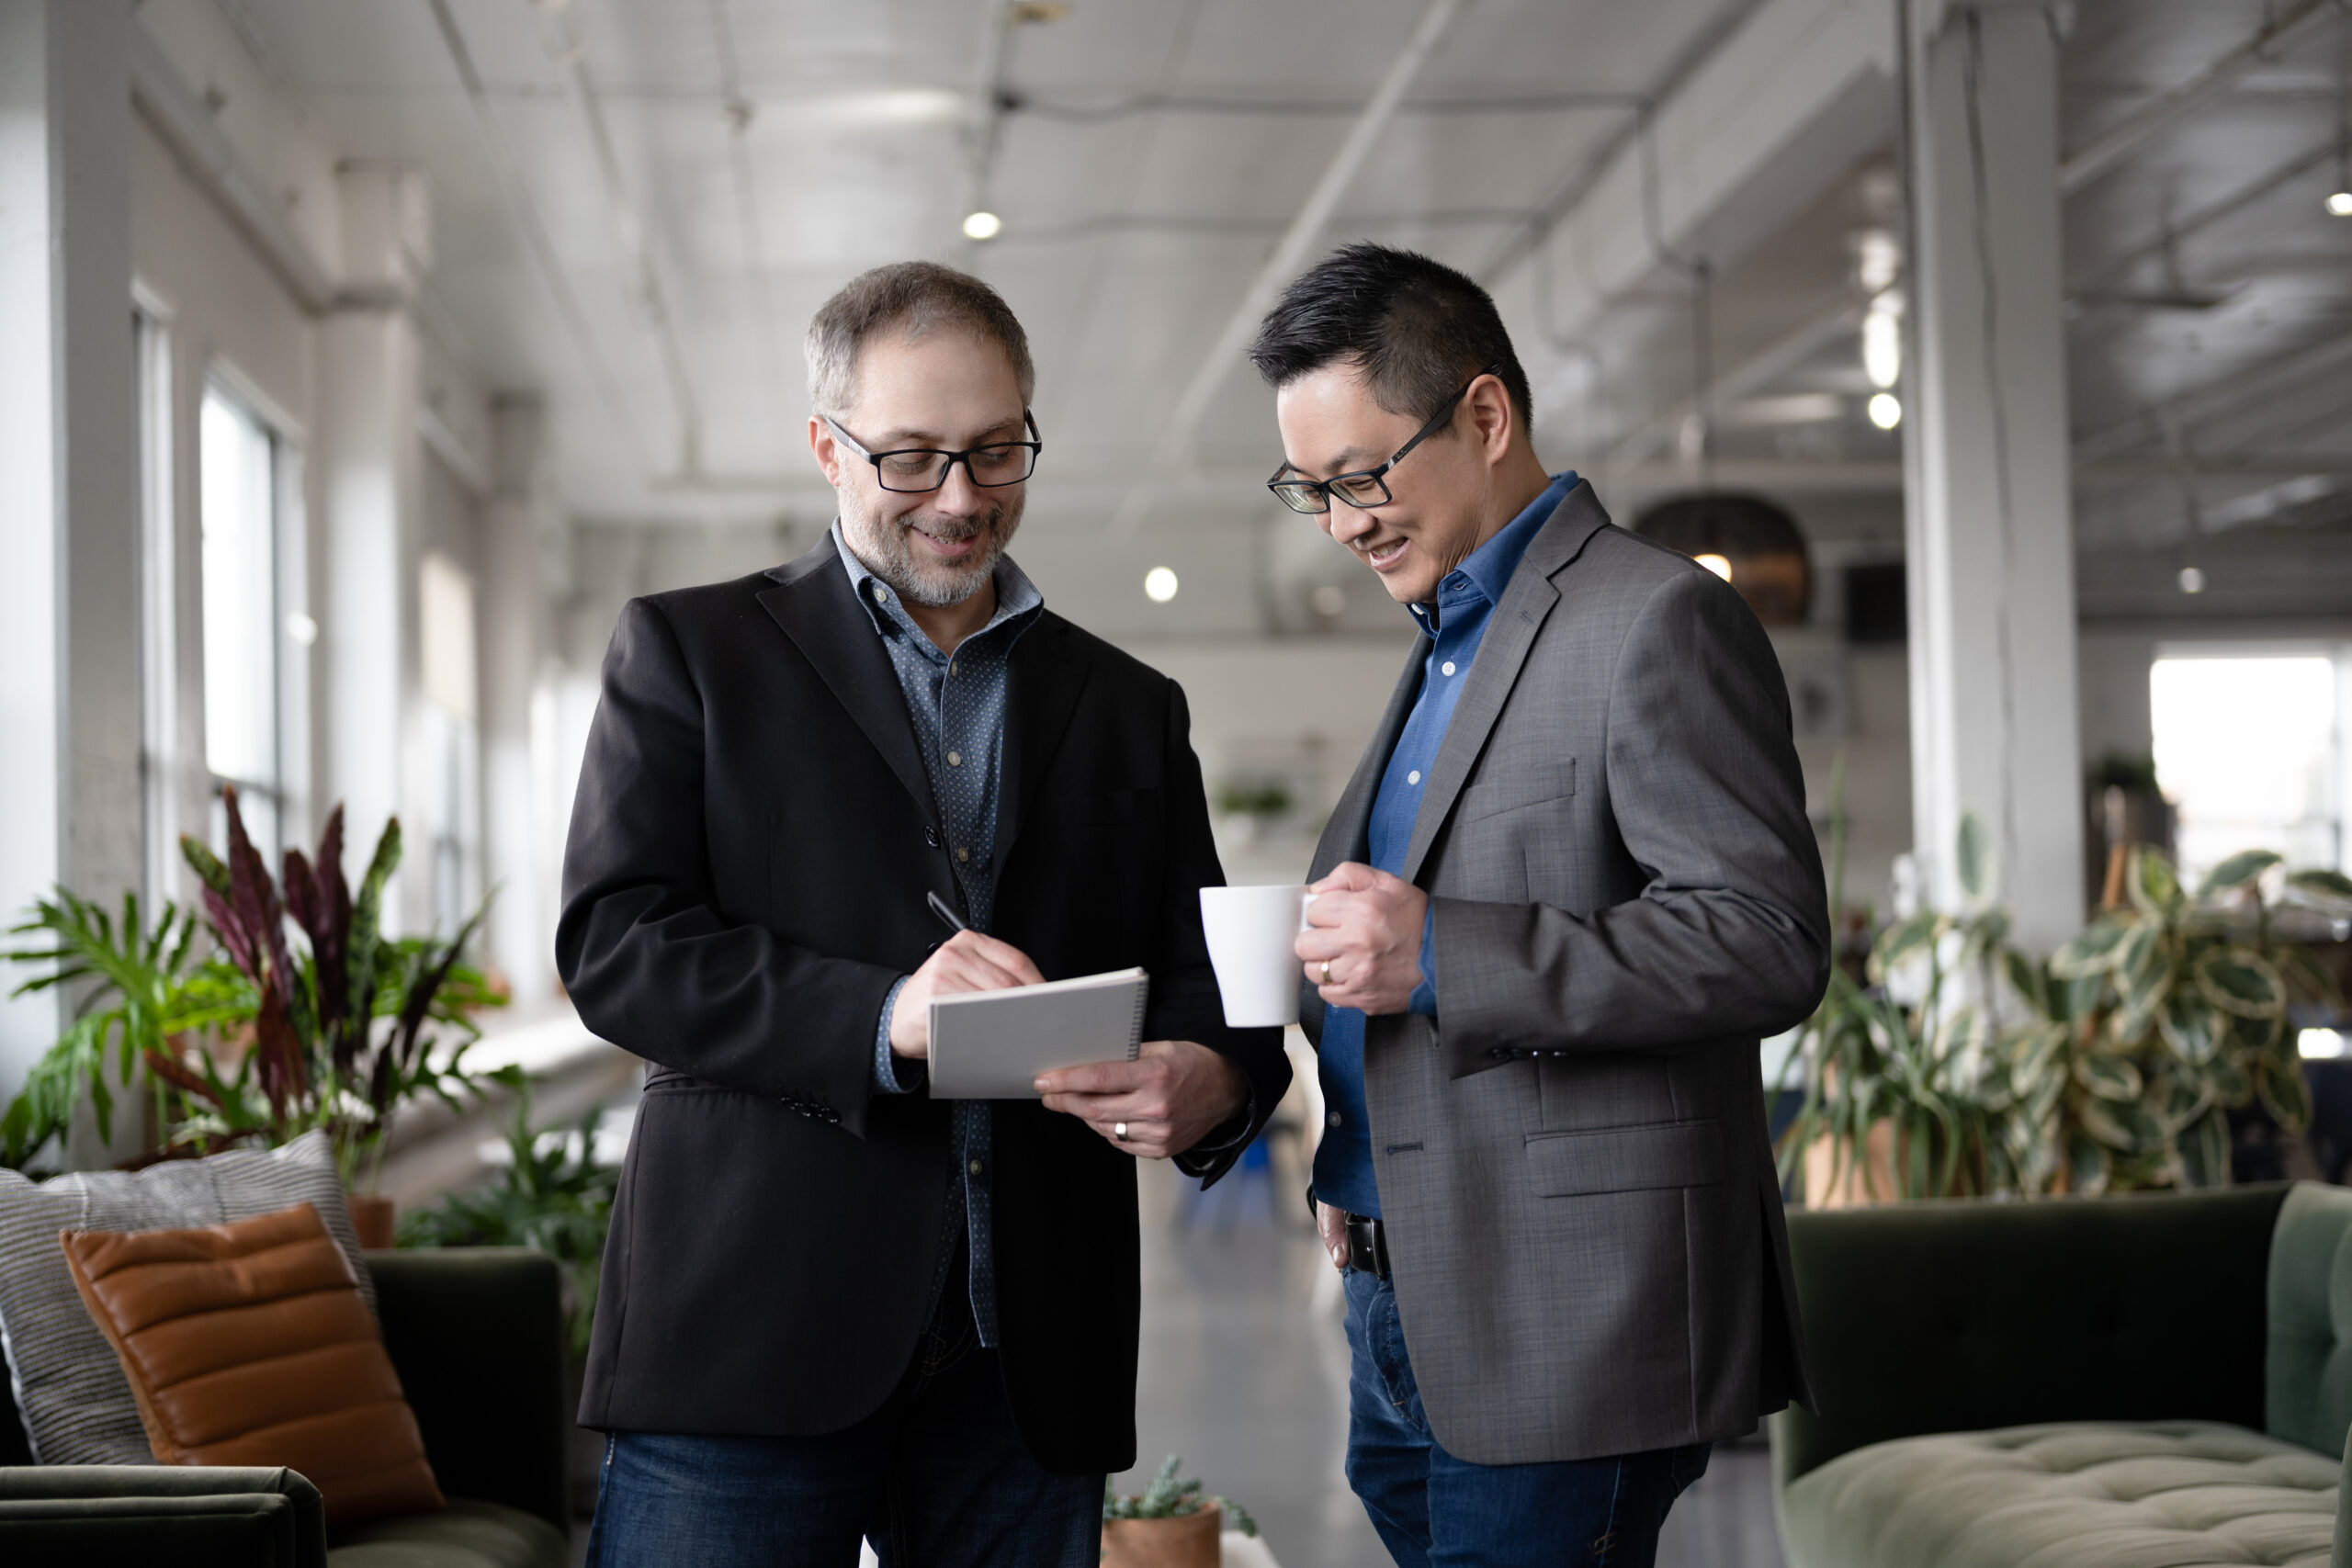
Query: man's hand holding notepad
point(993, 1044)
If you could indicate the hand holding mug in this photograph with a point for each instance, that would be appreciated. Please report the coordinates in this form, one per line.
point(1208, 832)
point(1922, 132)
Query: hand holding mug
point(1361, 947)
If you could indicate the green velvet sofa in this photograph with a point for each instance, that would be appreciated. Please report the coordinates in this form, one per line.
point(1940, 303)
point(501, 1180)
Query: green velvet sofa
point(477, 1335)
point(2163, 1381)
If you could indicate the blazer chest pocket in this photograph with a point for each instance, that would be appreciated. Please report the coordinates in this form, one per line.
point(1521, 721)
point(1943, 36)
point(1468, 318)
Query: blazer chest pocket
point(1625, 1159)
point(1532, 787)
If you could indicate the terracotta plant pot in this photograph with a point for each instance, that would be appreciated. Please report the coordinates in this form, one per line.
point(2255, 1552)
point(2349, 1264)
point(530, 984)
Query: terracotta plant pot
point(373, 1218)
point(1188, 1543)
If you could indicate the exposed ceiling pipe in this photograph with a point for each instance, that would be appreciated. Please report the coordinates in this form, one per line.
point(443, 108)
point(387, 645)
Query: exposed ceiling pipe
point(1175, 446)
point(560, 39)
point(2214, 397)
point(526, 214)
point(2119, 142)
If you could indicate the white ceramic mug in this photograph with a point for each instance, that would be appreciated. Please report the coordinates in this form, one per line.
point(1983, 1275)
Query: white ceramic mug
point(1252, 931)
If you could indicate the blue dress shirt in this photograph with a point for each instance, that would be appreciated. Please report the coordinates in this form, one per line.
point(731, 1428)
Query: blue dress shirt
point(1453, 625)
point(958, 704)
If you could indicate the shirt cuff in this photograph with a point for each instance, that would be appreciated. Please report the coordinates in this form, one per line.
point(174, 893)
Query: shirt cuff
point(1424, 997)
point(886, 1066)
point(1231, 1132)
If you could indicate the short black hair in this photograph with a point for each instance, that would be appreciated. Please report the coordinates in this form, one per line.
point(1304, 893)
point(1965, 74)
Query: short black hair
point(1419, 330)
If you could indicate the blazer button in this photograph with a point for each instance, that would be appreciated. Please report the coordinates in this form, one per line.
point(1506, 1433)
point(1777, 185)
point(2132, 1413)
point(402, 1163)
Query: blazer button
point(930, 837)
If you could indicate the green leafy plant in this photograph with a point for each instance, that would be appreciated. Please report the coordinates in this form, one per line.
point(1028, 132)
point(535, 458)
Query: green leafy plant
point(1168, 1498)
point(1259, 797)
point(552, 1195)
point(265, 1038)
point(2112, 1067)
point(2174, 1011)
point(1926, 1071)
point(137, 992)
point(318, 1057)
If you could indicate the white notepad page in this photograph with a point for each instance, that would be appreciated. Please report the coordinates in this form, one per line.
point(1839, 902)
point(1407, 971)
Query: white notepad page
point(992, 1044)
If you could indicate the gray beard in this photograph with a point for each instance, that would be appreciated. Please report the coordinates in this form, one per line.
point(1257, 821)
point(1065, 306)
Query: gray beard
point(883, 547)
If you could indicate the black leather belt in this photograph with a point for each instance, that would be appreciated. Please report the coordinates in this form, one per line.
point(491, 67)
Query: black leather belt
point(1368, 1245)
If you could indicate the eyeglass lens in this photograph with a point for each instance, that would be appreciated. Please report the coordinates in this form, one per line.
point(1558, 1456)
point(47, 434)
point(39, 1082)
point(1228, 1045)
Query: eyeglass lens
point(923, 470)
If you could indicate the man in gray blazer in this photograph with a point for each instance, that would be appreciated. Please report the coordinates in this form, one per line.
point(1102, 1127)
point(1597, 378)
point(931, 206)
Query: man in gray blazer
point(1569, 888)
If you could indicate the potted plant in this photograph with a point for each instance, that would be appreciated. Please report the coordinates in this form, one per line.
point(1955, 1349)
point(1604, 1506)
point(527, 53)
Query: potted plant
point(269, 1037)
point(2115, 1066)
point(1173, 1524)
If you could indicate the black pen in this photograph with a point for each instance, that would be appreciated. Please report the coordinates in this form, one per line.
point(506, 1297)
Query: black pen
point(939, 907)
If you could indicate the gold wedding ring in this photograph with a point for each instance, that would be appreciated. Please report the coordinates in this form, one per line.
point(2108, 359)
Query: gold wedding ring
point(1119, 1131)
point(1327, 972)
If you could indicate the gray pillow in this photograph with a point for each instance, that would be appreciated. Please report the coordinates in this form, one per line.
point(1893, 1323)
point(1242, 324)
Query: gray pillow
point(71, 1393)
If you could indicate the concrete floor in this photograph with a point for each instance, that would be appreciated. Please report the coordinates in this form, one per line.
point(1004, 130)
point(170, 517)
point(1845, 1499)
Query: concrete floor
point(1244, 1374)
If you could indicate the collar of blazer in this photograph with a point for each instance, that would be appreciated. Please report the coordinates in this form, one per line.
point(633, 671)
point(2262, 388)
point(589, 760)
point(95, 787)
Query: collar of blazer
point(1510, 632)
point(815, 606)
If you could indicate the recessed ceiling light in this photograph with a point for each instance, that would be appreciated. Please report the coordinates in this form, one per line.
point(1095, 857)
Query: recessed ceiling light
point(2340, 204)
point(2193, 580)
point(1159, 585)
point(1719, 565)
point(982, 226)
point(1886, 410)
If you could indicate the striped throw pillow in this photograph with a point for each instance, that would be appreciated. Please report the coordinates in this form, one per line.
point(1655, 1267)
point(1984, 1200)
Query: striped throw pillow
point(71, 1393)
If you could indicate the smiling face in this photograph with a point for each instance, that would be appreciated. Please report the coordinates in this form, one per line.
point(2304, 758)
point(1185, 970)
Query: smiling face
point(1331, 425)
point(949, 390)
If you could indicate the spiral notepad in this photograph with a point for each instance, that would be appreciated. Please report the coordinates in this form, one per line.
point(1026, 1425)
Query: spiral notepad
point(992, 1044)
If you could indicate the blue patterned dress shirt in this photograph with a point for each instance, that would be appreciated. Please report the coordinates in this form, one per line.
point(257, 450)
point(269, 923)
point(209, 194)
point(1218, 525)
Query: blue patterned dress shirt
point(958, 704)
point(1454, 624)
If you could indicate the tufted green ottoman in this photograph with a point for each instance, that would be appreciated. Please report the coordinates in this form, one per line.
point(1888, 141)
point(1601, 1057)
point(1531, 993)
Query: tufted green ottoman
point(2159, 1382)
point(2180, 1494)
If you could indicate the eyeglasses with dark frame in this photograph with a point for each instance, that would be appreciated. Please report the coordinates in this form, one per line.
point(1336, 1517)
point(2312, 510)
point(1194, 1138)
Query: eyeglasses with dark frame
point(1366, 487)
point(991, 467)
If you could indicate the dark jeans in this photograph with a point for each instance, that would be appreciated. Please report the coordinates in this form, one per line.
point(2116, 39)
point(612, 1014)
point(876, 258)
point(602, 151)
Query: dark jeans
point(937, 1478)
point(1431, 1508)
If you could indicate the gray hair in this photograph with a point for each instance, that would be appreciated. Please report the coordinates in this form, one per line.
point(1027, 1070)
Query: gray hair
point(915, 297)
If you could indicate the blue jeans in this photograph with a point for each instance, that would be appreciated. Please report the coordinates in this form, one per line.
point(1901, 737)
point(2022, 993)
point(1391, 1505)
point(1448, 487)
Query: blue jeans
point(937, 1478)
point(1431, 1508)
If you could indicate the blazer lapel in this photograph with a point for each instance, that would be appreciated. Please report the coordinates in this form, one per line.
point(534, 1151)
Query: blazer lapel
point(1347, 835)
point(814, 603)
point(1047, 673)
point(1526, 603)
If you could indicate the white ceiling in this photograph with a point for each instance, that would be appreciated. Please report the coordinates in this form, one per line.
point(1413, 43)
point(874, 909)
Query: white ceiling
point(1152, 153)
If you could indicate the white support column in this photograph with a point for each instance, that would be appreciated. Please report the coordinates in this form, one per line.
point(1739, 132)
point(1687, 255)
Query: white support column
point(69, 599)
point(1990, 525)
point(371, 457)
point(513, 636)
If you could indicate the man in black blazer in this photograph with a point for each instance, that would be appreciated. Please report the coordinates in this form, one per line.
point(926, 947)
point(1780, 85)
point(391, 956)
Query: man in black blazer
point(833, 1307)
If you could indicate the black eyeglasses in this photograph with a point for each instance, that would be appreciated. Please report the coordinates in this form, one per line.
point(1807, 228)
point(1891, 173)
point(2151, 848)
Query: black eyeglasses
point(1366, 487)
point(910, 470)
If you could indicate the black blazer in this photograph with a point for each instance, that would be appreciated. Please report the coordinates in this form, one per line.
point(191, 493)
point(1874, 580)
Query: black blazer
point(750, 843)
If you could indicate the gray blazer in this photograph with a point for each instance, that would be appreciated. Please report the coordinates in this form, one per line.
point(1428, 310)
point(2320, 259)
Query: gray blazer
point(1583, 1220)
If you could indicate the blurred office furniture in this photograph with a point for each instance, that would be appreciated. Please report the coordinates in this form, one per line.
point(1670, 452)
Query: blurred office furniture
point(476, 1338)
point(2087, 1381)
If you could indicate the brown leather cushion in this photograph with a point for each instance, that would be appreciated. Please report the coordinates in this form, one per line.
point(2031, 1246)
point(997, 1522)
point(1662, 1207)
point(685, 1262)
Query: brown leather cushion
point(248, 1344)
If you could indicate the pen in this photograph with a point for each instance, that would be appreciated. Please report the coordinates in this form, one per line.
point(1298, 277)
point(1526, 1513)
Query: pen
point(939, 907)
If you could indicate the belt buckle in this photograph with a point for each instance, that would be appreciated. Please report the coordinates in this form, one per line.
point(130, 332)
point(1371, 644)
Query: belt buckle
point(1368, 1245)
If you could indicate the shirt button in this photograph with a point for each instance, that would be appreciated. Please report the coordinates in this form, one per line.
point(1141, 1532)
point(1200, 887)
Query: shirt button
point(962, 853)
point(1446, 667)
point(881, 595)
point(955, 759)
point(1413, 777)
point(975, 1168)
point(1334, 1119)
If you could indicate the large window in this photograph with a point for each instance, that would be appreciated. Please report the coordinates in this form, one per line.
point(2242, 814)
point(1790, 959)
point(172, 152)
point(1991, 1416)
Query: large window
point(158, 624)
point(237, 460)
point(2250, 749)
point(445, 626)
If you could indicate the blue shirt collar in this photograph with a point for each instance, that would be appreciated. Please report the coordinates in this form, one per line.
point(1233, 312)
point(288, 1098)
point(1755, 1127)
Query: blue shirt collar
point(1487, 571)
point(1016, 597)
